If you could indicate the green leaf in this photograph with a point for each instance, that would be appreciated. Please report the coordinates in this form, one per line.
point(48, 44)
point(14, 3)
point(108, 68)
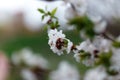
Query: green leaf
point(57, 24)
point(81, 23)
point(53, 12)
point(104, 58)
point(56, 18)
point(43, 17)
point(116, 44)
point(41, 10)
point(49, 13)
point(90, 33)
point(45, 27)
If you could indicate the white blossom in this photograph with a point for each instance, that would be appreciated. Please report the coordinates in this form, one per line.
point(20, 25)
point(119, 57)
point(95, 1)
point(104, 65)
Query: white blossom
point(56, 42)
point(100, 12)
point(26, 56)
point(77, 57)
point(76, 7)
point(83, 45)
point(107, 9)
point(102, 44)
point(92, 49)
point(54, 35)
point(16, 59)
point(87, 61)
point(99, 23)
point(95, 74)
point(69, 15)
point(27, 75)
point(115, 60)
point(100, 27)
point(87, 47)
point(65, 72)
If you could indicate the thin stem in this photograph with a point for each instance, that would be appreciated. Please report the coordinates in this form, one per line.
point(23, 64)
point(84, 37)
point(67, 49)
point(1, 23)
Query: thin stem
point(107, 37)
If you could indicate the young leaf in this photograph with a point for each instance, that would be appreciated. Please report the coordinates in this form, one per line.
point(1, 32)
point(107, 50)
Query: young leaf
point(53, 11)
point(41, 10)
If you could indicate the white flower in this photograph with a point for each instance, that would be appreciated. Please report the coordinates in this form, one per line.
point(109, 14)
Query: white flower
point(92, 49)
point(27, 75)
point(100, 27)
point(77, 57)
point(102, 44)
point(70, 13)
point(56, 42)
point(76, 7)
point(100, 24)
point(104, 12)
point(87, 62)
point(107, 9)
point(16, 59)
point(83, 45)
point(95, 19)
point(87, 47)
point(65, 72)
point(96, 74)
point(54, 35)
point(115, 60)
point(80, 7)
point(26, 56)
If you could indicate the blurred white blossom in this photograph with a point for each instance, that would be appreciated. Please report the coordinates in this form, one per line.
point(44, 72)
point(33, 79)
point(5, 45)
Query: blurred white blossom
point(96, 74)
point(85, 48)
point(102, 44)
point(91, 50)
point(100, 12)
point(27, 75)
point(65, 72)
point(115, 60)
point(27, 57)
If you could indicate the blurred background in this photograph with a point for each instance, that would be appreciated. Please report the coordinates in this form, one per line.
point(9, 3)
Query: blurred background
point(22, 36)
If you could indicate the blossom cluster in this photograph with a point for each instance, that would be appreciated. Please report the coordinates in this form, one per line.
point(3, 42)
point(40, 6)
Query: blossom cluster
point(29, 64)
point(36, 67)
point(90, 51)
point(101, 13)
point(100, 48)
